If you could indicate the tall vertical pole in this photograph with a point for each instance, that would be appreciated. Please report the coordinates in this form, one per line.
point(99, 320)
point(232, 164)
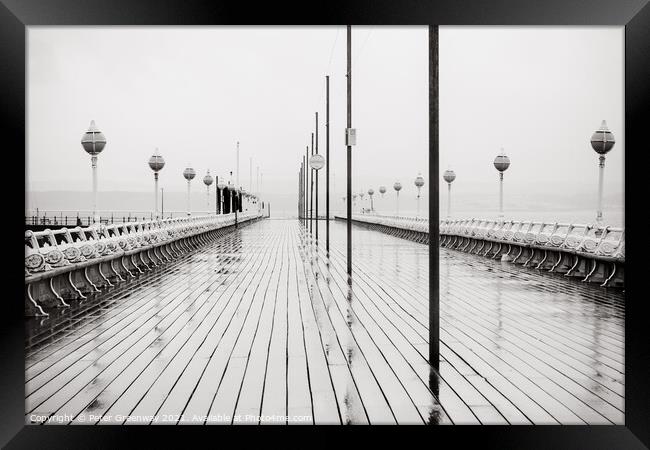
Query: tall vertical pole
point(237, 180)
point(216, 194)
point(155, 182)
point(448, 200)
point(349, 151)
point(500, 194)
point(93, 162)
point(188, 198)
point(162, 202)
point(317, 181)
point(302, 190)
point(434, 232)
point(305, 161)
point(601, 176)
point(311, 190)
point(327, 165)
point(250, 174)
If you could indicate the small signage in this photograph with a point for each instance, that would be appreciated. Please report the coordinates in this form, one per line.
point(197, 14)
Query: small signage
point(350, 136)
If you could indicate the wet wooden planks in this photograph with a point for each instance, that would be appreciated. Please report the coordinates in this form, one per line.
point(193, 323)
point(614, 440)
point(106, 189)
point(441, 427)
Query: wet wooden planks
point(261, 327)
point(538, 347)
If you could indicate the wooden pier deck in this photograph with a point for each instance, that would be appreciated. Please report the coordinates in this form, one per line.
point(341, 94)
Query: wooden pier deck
point(260, 327)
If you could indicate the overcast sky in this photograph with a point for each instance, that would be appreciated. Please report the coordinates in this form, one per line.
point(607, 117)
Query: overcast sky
point(538, 92)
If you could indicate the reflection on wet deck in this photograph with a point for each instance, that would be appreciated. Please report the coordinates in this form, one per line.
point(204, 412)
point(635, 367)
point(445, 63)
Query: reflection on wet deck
point(259, 326)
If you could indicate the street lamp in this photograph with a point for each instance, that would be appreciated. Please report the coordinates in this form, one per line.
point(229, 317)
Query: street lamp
point(398, 187)
point(602, 142)
point(419, 182)
point(371, 192)
point(317, 162)
point(208, 180)
point(156, 162)
point(501, 163)
point(244, 196)
point(382, 190)
point(221, 186)
point(93, 142)
point(449, 176)
point(189, 173)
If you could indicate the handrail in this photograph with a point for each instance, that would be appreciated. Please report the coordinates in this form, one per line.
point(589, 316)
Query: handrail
point(595, 240)
point(49, 249)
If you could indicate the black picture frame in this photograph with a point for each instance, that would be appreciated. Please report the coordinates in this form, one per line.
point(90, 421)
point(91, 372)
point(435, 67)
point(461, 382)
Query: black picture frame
point(16, 15)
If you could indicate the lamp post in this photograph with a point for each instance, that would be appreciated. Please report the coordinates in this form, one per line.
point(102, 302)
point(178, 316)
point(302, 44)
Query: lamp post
point(93, 142)
point(361, 194)
point(398, 187)
point(220, 187)
point(208, 180)
point(382, 190)
point(231, 190)
point(449, 176)
point(602, 142)
point(189, 173)
point(501, 163)
point(371, 192)
point(156, 162)
point(317, 162)
point(419, 182)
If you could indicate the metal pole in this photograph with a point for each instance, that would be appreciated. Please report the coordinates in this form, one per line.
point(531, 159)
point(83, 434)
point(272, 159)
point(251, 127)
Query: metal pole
point(327, 165)
point(434, 143)
point(601, 176)
point(299, 190)
point(188, 198)
point(162, 202)
point(500, 194)
point(448, 200)
point(307, 175)
point(349, 151)
point(317, 182)
point(216, 194)
point(304, 187)
point(93, 162)
point(311, 190)
point(397, 203)
point(155, 177)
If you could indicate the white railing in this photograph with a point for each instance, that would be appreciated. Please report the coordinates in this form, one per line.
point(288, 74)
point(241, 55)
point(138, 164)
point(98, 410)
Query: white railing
point(48, 249)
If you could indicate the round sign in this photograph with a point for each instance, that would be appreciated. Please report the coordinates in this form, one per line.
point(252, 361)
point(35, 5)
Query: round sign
point(316, 162)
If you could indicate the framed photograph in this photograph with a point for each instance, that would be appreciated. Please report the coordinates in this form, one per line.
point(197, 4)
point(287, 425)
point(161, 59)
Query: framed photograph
point(386, 215)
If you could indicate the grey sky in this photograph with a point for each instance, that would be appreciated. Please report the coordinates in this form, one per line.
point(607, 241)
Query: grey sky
point(194, 91)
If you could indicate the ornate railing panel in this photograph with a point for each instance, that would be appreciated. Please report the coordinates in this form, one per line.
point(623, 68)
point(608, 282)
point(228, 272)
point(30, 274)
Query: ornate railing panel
point(594, 253)
point(68, 264)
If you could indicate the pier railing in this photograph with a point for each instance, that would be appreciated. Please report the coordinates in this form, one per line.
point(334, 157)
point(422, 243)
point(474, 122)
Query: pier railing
point(68, 264)
point(42, 219)
point(594, 253)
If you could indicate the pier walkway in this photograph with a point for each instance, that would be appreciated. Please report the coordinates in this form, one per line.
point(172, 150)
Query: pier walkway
point(258, 326)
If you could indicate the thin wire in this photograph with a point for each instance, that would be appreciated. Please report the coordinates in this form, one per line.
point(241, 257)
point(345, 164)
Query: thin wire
point(329, 64)
point(366, 41)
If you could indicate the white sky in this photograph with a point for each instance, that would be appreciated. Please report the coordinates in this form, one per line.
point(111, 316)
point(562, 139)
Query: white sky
point(194, 91)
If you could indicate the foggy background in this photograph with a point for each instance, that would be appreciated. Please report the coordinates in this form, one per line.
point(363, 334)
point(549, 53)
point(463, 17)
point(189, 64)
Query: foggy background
point(193, 92)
